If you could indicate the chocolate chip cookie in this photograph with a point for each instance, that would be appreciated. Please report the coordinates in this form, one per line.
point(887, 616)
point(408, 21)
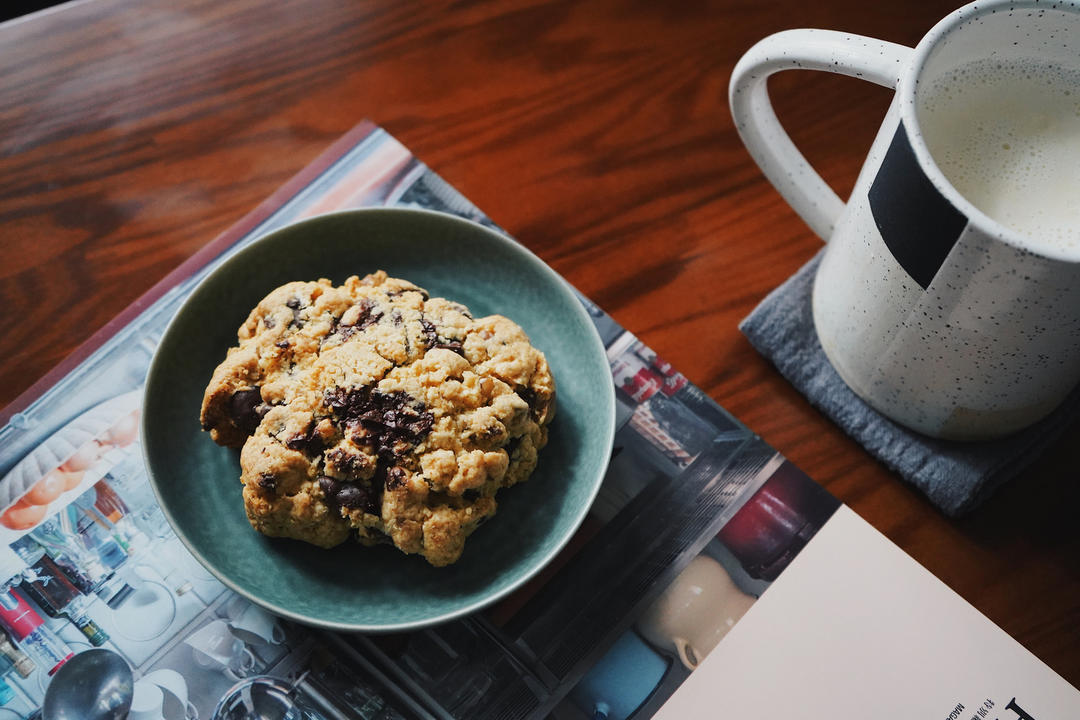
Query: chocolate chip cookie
point(372, 410)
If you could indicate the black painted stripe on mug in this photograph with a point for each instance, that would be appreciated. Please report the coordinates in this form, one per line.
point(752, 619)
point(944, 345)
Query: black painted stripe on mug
point(917, 223)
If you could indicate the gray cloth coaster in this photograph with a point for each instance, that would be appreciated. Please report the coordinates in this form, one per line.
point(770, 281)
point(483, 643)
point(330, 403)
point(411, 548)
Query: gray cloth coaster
point(954, 476)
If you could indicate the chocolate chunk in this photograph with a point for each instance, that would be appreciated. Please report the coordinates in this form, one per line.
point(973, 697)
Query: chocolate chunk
point(307, 442)
point(374, 417)
point(423, 293)
point(395, 478)
point(246, 409)
point(351, 464)
point(348, 404)
point(283, 344)
point(315, 443)
point(369, 315)
point(329, 486)
point(294, 305)
point(388, 454)
point(389, 424)
point(341, 401)
point(347, 495)
point(528, 395)
point(433, 340)
point(351, 496)
point(341, 332)
point(431, 337)
point(267, 482)
point(486, 435)
point(421, 426)
point(453, 346)
point(461, 309)
point(395, 415)
point(394, 293)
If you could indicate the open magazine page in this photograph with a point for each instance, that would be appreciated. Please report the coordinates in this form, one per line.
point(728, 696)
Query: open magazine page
point(696, 518)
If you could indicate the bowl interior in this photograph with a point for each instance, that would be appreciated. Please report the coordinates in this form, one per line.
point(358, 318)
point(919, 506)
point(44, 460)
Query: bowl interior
point(373, 589)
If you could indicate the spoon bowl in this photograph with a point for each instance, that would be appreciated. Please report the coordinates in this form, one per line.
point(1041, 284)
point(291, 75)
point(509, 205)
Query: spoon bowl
point(93, 685)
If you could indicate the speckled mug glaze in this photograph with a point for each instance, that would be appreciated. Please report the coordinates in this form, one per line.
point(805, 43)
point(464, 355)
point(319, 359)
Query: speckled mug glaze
point(936, 315)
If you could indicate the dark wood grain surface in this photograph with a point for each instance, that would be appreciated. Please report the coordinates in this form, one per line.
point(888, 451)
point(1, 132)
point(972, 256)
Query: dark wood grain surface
point(131, 133)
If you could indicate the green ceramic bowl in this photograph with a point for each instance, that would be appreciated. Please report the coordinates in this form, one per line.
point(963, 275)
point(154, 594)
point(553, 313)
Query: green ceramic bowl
point(378, 589)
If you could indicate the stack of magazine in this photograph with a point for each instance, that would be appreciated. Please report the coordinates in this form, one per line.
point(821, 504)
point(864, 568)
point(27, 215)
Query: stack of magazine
point(711, 579)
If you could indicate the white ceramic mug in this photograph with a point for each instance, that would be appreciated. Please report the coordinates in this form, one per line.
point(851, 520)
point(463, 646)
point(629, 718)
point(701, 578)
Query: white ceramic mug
point(940, 317)
point(695, 611)
point(254, 625)
point(214, 647)
point(146, 702)
point(173, 685)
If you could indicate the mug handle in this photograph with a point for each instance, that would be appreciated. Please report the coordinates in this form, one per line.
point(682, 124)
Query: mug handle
point(781, 162)
point(246, 665)
point(687, 654)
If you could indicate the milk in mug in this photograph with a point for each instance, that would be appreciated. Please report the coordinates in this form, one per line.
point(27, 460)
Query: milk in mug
point(1006, 135)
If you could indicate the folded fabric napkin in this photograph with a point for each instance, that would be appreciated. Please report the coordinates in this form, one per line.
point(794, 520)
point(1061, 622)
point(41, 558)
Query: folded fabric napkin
point(955, 476)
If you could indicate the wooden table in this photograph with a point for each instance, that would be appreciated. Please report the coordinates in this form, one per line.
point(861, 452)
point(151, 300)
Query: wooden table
point(598, 133)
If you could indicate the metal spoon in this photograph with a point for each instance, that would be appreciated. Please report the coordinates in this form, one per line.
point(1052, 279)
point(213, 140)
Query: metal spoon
point(93, 685)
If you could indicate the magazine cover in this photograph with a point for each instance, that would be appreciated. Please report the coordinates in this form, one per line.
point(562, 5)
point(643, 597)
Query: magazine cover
point(696, 520)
